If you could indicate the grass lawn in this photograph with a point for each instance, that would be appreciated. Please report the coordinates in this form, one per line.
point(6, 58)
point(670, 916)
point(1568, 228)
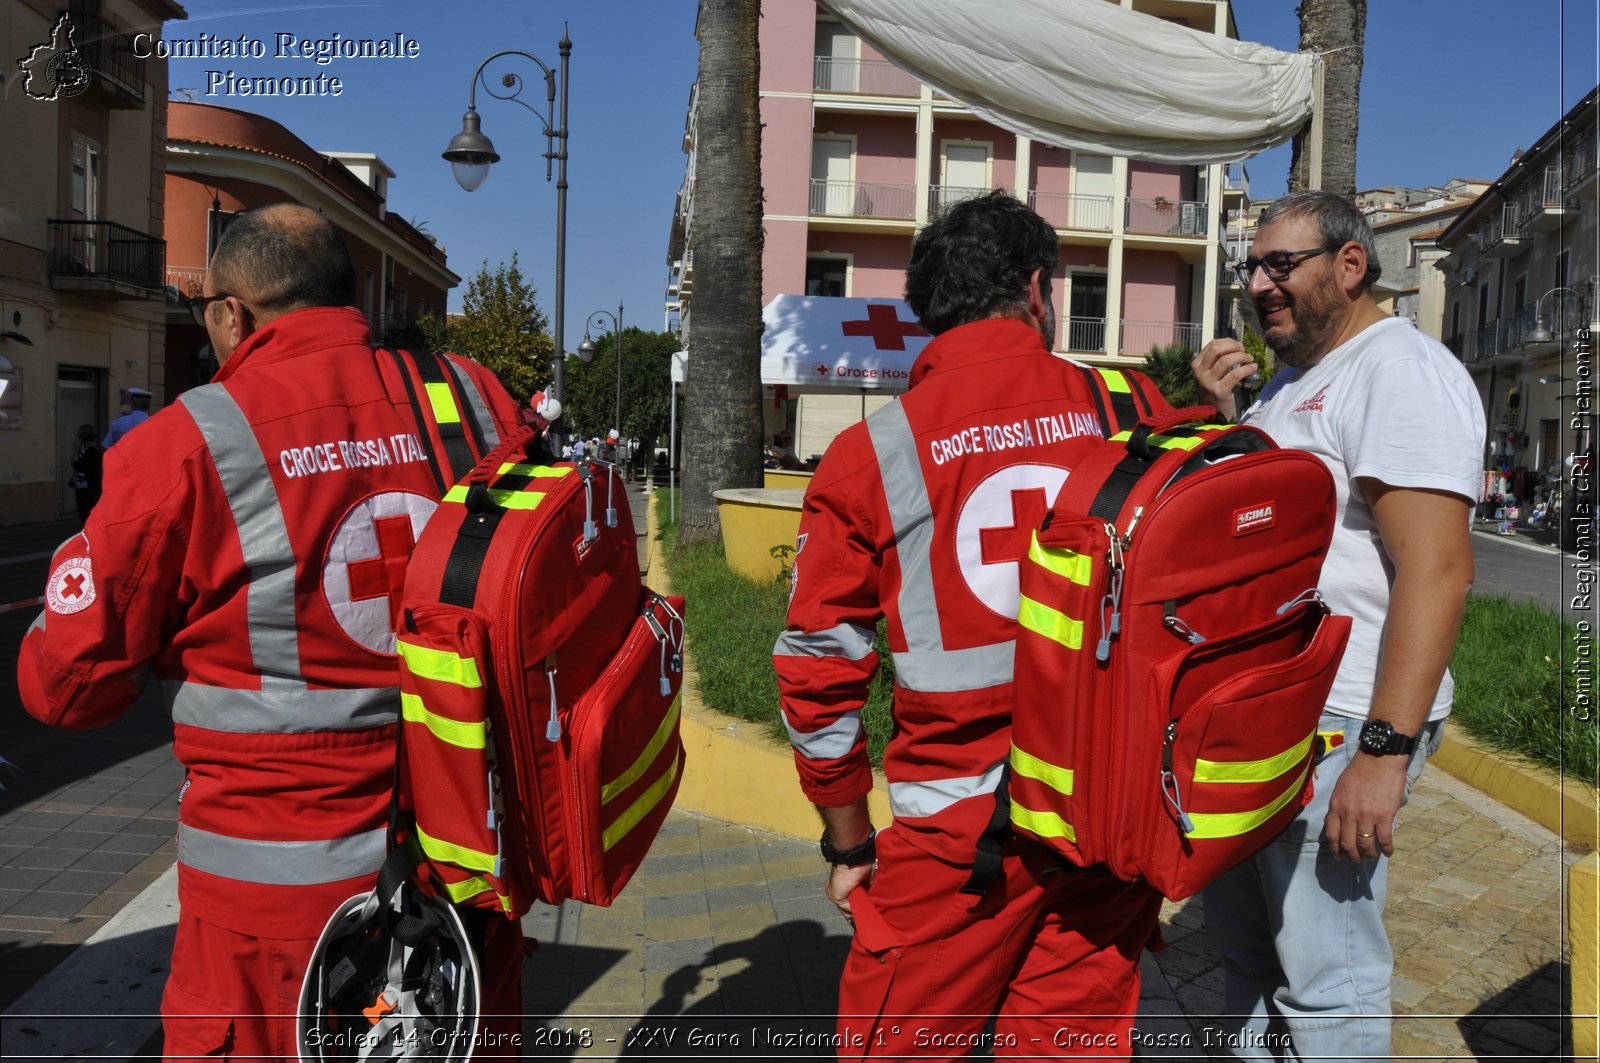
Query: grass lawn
point(1509, 664)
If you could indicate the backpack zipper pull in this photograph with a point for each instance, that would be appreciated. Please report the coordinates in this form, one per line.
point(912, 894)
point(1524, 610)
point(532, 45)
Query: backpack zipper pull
point(1169, 781)
point(586, 473)
point(552, 730)
point(1111, 603)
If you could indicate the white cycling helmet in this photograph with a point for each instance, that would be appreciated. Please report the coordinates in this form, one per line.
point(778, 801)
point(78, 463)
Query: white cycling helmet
point(394, 976)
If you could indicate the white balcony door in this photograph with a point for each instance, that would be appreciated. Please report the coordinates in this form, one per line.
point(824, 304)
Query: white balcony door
point(838, 58)
point(832, 163)
point(1094, 190)
point(963, 171)
point(85, 201)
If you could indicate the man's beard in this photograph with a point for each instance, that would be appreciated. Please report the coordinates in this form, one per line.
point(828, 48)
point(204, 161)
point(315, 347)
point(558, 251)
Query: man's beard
point(1311, 336)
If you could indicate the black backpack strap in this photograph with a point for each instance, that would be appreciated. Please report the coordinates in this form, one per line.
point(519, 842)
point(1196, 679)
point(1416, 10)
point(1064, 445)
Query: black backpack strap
point(987, 860)
point(406, 367)
point(444, 409)
point(1098, 392)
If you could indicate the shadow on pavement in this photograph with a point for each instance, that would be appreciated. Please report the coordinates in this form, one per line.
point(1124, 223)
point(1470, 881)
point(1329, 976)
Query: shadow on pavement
point(1526, 1020)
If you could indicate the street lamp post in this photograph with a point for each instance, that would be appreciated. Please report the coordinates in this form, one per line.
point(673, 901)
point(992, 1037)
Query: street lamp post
point(1541, 332)
point(471, 153)
point(587, 348)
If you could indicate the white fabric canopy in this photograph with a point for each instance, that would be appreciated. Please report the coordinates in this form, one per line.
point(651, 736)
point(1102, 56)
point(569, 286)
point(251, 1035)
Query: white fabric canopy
point(1094, 76)
point(828, 342)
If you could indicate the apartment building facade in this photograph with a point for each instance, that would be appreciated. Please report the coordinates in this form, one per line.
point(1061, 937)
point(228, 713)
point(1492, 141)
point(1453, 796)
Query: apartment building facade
point(857, 155)
point(222, 161)
point(1518, 264)
point(81, 235)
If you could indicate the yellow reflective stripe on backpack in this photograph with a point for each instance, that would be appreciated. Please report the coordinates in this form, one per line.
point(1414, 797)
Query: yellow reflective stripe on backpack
point(1264, 770)
point(503, 499)
point(443, 402)
point(454, 732)
point(459, 855)
point(1212, 825)
point(1069, 564)
point(658, 742)
point(1030, 766)
point(467, 889)
point(1115, 380)
point(641, 808)
point(1164, 442)
point(1055, 626)
point(1043, 824)
point(534, 470)
point(441, 666)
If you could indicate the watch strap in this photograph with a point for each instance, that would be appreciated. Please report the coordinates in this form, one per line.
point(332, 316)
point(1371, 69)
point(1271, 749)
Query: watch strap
point(864, 853)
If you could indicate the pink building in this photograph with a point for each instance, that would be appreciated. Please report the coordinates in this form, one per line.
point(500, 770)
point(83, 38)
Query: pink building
point(856, 155)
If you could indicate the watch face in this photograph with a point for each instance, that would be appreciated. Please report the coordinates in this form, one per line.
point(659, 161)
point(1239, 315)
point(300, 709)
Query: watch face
point(1375, 735)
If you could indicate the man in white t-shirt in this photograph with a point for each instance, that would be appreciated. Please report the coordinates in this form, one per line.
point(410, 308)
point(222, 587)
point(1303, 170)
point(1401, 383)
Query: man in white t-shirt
point(1398, 422)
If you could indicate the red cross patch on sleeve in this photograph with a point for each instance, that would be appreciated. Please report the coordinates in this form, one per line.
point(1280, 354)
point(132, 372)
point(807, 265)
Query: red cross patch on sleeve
point(71, 587)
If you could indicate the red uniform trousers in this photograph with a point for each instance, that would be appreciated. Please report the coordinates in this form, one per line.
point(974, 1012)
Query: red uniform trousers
point(235, 996)
point(1054, 951)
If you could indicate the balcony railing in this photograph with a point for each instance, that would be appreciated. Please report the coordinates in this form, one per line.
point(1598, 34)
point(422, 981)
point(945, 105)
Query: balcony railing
point(1086, 334)
point(1138, 337)
point(185, 280)
point(88, 251)
point(113, 70)
point(943, 197)
point(1066, 211)
point(1579, 161)
point(866, 77)
point(863, 199)
point(1162, 217)
point(1500, 232)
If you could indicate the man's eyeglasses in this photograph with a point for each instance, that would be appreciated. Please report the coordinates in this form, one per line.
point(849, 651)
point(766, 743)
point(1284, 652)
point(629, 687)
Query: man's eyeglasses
point(1279, 264)
point(198, 304)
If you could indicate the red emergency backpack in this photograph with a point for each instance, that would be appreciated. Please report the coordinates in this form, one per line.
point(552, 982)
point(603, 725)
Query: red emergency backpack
point(1173, 656)
point(539, 686)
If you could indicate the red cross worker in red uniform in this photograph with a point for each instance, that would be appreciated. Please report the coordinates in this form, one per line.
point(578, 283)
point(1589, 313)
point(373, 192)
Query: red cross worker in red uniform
point(244, 566)
point(918, 516)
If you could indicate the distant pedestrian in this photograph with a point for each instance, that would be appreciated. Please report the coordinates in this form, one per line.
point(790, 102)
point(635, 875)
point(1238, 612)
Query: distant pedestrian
point(87, 463)
point(135, 412)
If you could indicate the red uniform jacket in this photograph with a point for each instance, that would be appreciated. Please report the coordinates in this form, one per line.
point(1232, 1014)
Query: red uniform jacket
point(919, 514)
point(246, 560)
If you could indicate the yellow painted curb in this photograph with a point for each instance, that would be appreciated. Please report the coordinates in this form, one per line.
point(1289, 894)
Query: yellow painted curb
point(1565, 806)
point(1583, 925)
point(733, 770)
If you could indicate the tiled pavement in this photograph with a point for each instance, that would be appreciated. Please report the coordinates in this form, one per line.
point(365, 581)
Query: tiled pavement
point(725, 931)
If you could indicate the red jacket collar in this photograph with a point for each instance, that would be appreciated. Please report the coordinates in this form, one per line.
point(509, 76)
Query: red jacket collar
point(298, 333)
point(977, 341)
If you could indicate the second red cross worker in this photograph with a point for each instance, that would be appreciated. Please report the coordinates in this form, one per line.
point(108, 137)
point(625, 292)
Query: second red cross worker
point(919, 515)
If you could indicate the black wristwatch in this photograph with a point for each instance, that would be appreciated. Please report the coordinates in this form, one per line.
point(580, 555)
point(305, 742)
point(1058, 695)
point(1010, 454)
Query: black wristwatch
point(1380, 739)
point(864, 853)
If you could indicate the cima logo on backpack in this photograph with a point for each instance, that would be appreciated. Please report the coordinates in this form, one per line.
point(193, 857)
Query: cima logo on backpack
point(1174, 656)
point(539, 687)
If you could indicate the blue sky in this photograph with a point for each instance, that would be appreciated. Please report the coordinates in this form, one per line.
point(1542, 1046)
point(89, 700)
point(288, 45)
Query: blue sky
point(1451, 88)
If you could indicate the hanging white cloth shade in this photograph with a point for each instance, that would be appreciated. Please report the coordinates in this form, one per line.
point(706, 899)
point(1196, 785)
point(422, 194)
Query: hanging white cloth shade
point(1095, 76)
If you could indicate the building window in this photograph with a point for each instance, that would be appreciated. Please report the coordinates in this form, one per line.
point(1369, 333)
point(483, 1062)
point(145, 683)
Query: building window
point(1561, 270)
point(827, 276)
point(1519, 293)
point(85, 178)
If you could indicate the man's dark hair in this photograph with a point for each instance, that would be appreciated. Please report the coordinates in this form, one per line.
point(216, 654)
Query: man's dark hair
point(973, 261)
point(283, 257)
point(1339, 222)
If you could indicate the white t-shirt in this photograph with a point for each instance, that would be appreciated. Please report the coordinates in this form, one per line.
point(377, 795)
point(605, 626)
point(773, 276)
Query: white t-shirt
point(1396, 406)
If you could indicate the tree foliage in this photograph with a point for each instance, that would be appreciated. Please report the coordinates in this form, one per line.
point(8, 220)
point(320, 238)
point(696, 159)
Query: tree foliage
point(1168, 367)
point(591, 389)
point(501, 326)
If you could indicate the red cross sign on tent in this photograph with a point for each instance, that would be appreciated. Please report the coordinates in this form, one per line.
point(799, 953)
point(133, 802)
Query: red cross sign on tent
point(828, 342)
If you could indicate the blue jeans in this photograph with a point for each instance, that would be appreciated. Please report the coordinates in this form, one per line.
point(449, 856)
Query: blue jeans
point(1306, 962)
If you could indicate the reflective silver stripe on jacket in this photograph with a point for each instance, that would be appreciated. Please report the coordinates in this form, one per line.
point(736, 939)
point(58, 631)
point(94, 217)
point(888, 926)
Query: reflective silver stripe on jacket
point(911, 518)
point(263, 535)
point(846, 640)
point(924, 665)
point(280, 711)
point(282, 863)
point(944, 671)
point(915, 799)
point(831, 742)
point(480, 408)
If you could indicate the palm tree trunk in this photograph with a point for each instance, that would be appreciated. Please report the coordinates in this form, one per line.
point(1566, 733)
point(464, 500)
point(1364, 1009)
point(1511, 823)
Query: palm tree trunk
point(1338, 30)
point(722, 414)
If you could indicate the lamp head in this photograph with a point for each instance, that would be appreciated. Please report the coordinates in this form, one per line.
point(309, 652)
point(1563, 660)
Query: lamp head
point(586, 349)
point(470, 153)
point(1540, 333)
